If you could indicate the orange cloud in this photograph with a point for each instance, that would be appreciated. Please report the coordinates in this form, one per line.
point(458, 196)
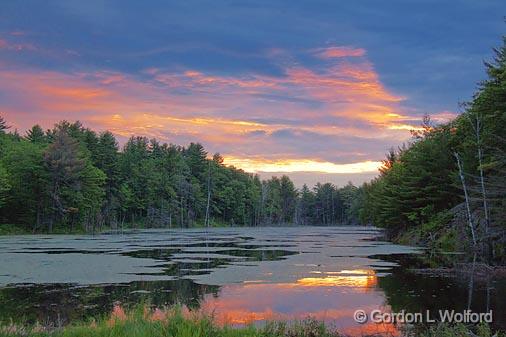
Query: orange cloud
point(306, 165)
point(405, 127)
point(196, 79)
point(337, 52)
point(348, 83)
point(337, 101)
point(443, 116)
point(75, 92)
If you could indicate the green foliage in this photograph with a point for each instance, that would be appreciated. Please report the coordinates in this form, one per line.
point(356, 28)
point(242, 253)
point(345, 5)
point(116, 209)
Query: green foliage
point(458, 330)
point(10, 229)
point(142, 322)
point(75, 185)
point(417, 185)
point(3, 125)
point(27, 179)
point(138, 323)
point(5, 186)
point(419, 188)
point(288, 196)
point(71, 178)
point(36, 135)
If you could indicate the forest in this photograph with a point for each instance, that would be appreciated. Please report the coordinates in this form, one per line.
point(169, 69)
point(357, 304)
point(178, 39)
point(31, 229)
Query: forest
point(70, 177)
point(446, 188)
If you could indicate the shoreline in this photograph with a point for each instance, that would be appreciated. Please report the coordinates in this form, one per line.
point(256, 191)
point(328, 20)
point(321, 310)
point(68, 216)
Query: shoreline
point(144, 321)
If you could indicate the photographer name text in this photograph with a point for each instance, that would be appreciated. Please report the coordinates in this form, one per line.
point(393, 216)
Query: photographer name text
point(449, 316)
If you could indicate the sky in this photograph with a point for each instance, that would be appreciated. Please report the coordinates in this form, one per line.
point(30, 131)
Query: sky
point(319, 90)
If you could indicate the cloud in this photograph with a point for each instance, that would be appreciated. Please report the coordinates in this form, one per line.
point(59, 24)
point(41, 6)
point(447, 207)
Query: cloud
point(16, 46)
point(306, 165)
point(443, 116)
point(256, 133)
point(332, 117)
point(338, 52)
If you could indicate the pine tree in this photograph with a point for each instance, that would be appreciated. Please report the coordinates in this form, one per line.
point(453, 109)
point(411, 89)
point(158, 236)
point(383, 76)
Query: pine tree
point(65, 165)
point(3, 125)
point(4, 185)
point(36, 134)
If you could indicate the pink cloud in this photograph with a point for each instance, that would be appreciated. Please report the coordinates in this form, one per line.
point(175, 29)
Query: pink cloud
point(17, 33)
point(17, 46)
point(443, 116)
point(222, 111)
point(338, 52)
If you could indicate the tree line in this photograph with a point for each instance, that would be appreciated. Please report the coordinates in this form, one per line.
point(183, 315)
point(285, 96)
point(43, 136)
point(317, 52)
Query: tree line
point(447, 186)
point(71, 177)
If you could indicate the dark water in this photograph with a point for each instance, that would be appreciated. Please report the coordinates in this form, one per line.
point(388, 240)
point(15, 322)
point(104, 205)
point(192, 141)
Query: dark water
point(242, 275)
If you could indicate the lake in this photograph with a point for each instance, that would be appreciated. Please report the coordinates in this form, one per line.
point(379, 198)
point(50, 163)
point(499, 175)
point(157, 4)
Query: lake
point(240, 275)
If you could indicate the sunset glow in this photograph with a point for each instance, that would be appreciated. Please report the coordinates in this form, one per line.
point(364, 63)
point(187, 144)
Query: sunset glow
point(263, 168)
point(251, 165)
point(329, 103)
point(336, 293)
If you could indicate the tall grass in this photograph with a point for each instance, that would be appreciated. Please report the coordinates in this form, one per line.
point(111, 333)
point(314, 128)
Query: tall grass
point(174, 322)
point(142, 322)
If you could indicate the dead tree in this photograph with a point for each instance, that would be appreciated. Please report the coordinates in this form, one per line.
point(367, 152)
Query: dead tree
point(464, 187)
point(477, 127)
point(206, 222)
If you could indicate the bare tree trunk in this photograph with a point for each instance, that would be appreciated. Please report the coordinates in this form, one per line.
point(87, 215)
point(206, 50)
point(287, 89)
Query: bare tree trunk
point(333, 221)
point(206, 222)
point(39, 210)
point(470, 286)
point(181, 211)
point(477, 129)
point(464, 187)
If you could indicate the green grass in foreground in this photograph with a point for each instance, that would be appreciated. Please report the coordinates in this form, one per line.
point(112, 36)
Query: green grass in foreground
point(145, 323)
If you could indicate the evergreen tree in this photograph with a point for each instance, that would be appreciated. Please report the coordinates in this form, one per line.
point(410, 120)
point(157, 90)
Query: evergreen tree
point(75, 185)
point(107, 160)
point(3, 125)
point(288, 196)
point(36, 135)
point(28, 181)
point(4, 185)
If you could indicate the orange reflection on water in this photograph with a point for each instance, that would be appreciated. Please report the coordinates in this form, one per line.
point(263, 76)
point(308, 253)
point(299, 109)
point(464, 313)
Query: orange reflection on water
point(348, 278)
point(332, 298)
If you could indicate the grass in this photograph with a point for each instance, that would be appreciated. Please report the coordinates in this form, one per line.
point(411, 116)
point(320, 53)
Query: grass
point(143, 322)
point(459, 330)
point(13, 229)
point(10, 229)
point(173, 323)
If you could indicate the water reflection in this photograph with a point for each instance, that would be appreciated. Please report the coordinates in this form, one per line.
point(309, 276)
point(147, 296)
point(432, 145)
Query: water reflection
point(360, 278)
point(332, 298)
point(63, 303)
point(240, 275)
point(413, 292)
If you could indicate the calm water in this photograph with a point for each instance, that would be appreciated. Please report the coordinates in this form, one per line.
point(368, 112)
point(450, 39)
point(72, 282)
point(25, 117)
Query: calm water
point(243, 275)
